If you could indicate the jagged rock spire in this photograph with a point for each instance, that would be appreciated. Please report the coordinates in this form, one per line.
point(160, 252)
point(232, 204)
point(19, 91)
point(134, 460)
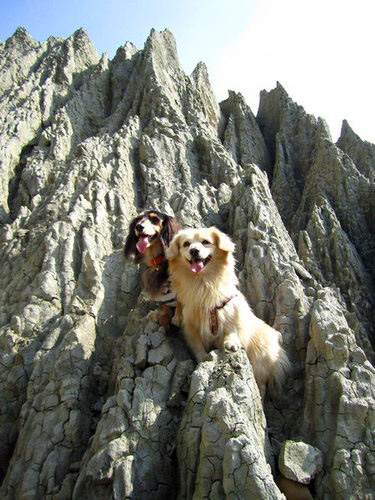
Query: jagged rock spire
point(97, 400)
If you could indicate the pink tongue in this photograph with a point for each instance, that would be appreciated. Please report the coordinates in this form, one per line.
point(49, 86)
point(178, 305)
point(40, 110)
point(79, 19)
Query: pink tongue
point(196, 266)
point(143, 243)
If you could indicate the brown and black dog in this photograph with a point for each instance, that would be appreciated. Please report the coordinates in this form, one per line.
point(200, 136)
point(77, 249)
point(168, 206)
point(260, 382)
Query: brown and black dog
point(150, 233)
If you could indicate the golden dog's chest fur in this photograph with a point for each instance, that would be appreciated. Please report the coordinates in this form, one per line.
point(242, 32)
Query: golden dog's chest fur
point(212, 289)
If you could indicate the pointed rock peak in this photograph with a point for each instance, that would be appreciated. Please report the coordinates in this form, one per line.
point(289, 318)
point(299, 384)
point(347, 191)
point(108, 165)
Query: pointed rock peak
point(81, 38)
point(323, 127)
point(166, 33)
point(236, 97)
point(347, 131)
point(277, 113)
point(235, 101)
point(201, 81)
point(103, 62)
point(163, 43)
point(348, 136)
point(81, 34)
point(129, 45)
point(278, 93)
point(161, 37)
point(126, 51)
point(279, 99)
point(130, 49)
point(21, 37)
point(361, 152)
point(281, 89)
point(53, 39)
point(83, 45)
point(200, 69)
point(21, 33)
point(200, 74)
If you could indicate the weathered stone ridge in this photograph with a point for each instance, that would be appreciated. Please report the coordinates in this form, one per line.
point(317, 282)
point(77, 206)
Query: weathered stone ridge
point(99, 402)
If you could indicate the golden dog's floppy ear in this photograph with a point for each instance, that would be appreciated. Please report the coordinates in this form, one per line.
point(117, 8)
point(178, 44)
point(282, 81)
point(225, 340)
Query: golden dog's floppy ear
point(223, 242)
point(174, 248)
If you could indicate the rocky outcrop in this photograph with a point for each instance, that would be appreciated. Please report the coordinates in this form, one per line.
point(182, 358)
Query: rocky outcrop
point(97, 400)
point(299, 461)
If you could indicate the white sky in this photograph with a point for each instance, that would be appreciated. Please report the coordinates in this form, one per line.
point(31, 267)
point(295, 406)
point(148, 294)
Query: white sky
point(321, 51)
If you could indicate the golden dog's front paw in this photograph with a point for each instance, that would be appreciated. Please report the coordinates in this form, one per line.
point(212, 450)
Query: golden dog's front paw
point(177, 320)
point(232, 345)
point(177, 317)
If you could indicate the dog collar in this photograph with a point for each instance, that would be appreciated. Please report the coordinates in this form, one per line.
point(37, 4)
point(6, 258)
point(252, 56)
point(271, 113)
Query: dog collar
point(155, 262)
point(213, 315)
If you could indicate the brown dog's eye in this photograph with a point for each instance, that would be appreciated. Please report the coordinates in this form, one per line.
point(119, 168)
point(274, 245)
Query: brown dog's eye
point(206, 242)
point(186, 244)
point(154, 220)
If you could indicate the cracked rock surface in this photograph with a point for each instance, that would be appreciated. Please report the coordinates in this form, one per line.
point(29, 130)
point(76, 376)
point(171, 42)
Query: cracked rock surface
point(97, 401)
point(299, 461)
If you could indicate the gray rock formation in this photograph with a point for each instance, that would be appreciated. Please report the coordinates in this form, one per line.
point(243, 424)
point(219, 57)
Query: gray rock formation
point(96, 400)
point(299, 461)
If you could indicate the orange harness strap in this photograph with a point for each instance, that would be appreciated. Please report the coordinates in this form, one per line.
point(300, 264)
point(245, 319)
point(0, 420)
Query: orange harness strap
point(213, 315)
point(155, 262)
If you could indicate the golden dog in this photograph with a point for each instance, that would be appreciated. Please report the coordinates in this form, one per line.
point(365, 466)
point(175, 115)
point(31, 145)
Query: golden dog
point(215, 313)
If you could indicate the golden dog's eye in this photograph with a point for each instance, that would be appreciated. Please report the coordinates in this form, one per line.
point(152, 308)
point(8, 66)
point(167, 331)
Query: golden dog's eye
point(206, 242)
point(186, 244)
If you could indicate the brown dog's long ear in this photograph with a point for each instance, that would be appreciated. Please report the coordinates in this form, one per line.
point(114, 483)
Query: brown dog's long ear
point(130, 250)
point(170, 228)
point(223, 241)
point(174, 248)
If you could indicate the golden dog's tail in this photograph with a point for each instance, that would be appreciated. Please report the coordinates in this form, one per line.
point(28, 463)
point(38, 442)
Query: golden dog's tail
point(280, 370)
point(268, 358)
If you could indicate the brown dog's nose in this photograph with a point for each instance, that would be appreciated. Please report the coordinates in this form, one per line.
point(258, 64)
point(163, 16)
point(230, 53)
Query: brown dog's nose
point(139, 227)
point(194, 252)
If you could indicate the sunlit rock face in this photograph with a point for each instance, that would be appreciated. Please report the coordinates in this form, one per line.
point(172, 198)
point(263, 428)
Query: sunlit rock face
point(97, 401)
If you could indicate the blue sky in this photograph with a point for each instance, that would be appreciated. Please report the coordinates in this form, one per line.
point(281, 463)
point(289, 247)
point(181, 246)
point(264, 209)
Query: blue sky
point(321, 51)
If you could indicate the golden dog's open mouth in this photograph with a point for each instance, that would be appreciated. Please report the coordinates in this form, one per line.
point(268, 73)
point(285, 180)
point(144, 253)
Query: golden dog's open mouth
point(144, 242)
point(197, 265)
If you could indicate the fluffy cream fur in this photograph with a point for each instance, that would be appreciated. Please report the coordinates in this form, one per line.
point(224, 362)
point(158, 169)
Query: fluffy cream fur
point(201, 265)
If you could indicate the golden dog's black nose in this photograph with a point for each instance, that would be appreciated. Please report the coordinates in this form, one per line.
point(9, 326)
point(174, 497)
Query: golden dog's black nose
point(194, 252)
point(139, 227)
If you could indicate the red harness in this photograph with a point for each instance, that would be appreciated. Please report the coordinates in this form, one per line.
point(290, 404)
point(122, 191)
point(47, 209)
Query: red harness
point(214, 324)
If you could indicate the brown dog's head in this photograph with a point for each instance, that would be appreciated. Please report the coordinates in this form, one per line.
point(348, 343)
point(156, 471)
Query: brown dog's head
point(145, 229)
point(197, 248)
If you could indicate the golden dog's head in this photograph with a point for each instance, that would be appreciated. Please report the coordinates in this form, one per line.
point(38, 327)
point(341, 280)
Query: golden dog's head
point(198, 249)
